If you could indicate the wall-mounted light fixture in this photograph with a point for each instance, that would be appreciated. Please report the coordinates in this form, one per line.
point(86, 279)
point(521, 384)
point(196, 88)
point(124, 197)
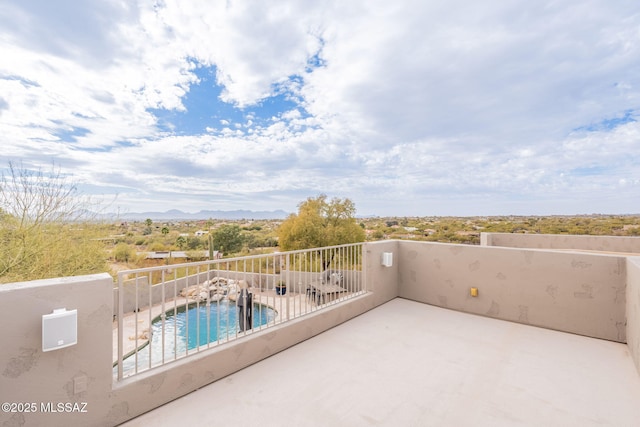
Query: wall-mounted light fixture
point(59, 329)
point(387, 259)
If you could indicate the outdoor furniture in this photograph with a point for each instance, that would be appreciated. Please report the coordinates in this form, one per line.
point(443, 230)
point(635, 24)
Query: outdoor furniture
point(321, 293)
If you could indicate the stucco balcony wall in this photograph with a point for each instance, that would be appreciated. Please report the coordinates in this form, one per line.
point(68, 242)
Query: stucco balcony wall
point(581, 293)
point(623, 244)
point(584, 293)
point(633, 308)
point(30, 375)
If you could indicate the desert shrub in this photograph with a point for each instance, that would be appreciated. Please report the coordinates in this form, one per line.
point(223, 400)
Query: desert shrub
point(124, 253)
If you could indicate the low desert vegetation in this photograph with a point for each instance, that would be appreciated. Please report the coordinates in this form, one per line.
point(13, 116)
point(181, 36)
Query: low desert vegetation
point(44, 227)
point(47, 230)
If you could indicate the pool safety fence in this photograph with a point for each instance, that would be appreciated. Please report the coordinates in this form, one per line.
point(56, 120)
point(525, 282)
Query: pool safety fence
point(169, 312)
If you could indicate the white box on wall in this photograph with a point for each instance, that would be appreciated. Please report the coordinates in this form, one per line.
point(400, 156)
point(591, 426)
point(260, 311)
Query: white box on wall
point(59, 329)
point(387, 259)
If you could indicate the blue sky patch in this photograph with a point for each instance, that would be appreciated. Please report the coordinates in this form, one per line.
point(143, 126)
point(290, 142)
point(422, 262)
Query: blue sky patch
point(609, 124)
point(109, 148)
point(205, 111)
point(24, 81)
point(70, 134)
point(315, 61)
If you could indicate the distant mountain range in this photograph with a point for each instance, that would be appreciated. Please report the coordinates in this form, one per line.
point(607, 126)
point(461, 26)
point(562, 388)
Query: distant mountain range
point(175, 214)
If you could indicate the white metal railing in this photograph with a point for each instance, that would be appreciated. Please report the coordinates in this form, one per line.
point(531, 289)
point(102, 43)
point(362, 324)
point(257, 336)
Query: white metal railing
point(168, 312)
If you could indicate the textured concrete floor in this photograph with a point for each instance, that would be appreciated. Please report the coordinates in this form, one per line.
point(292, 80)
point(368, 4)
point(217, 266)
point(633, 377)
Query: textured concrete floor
point(411, 364)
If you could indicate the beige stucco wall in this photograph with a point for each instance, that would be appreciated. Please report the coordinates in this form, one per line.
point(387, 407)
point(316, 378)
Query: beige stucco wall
point(626, 244)
point(574, 292)
point(582, 293)
point(29, 375)
point(633, 308)
point(383, 281)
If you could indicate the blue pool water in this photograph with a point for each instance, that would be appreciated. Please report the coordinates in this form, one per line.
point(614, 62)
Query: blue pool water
point(188, 329)
point(222, 321)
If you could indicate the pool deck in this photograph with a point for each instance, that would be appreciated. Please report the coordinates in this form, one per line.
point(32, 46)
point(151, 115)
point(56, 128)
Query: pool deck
point(411, 364)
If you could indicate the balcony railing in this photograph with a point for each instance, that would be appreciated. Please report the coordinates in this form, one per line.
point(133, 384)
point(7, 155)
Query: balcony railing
point(169, 312)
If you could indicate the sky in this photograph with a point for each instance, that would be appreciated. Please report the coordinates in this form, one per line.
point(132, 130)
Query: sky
point(408, 108)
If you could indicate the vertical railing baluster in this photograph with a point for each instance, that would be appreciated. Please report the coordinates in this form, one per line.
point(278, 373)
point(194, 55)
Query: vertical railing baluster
point(228, 311)
point(175, 313)
point(208, 281)
point(162, 313)
point(234, 320)
point(218, 306)
point(275, 279)
point(345, 272)
point(120, 325)
point(361, 272)
point(354, 270)
point(150, 287)
point(136, 310)
point(197, 319)
point(185, 301)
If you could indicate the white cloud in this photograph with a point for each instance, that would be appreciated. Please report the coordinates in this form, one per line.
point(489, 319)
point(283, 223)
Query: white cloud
point(406, 105)
point(254, 46)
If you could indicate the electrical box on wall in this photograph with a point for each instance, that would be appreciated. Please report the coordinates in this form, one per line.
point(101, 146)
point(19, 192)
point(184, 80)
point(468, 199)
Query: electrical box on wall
point(387, 259)
point(59, 329)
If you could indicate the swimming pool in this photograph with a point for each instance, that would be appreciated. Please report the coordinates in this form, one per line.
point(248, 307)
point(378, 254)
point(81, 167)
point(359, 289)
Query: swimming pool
point(185, 330)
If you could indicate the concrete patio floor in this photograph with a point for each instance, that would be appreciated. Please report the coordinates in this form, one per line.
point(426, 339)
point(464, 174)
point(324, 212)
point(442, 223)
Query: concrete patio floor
point(412, 364)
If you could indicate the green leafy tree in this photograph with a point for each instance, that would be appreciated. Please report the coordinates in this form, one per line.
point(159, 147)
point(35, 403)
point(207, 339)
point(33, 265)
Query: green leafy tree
point(320, 222)
point(147, 230)
point(228, 238)
point(165, 231)
point(45, 230)
point(194, 243)
point(181, 242)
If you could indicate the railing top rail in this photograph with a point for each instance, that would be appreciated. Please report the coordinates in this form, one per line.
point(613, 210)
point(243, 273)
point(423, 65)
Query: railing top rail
point(234, 259)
